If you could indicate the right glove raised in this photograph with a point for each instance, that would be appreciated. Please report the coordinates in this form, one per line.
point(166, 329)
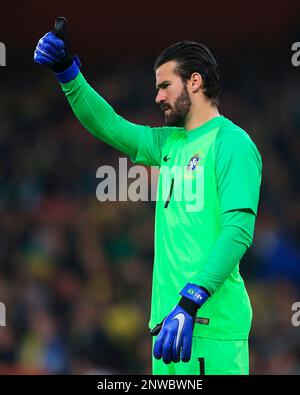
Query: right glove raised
point(53, 50)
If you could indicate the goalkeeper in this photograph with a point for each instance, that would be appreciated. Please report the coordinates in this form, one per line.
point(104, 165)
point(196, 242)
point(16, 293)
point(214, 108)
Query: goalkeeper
point(200, 312)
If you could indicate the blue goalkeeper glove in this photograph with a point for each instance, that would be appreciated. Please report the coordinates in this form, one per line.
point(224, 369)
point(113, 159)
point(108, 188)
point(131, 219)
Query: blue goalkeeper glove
point(53, 50)
point(175, 333)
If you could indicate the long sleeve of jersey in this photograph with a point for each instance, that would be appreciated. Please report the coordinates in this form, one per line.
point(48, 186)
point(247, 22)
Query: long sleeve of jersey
point(234, 240)
point(100, 119)
point(238, 168)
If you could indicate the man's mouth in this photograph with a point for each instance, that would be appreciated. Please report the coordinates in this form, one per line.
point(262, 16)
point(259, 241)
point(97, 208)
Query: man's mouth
point(165, 108)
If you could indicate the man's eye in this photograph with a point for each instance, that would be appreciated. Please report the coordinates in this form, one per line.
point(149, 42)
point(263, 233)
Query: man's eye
point(164, 86)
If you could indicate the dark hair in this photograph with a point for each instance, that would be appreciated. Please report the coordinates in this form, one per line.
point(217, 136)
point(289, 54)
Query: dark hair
point(193, 57)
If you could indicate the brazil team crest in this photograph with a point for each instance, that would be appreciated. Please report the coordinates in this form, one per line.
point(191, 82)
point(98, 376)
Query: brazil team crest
point(193, 162)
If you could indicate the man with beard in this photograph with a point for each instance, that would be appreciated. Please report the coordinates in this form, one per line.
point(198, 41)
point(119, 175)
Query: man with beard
point(198, 243)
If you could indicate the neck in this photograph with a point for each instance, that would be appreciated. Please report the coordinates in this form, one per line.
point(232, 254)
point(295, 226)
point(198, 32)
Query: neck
point(199, 115)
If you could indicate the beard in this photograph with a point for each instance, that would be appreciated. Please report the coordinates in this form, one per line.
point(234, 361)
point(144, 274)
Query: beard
point(176, 116)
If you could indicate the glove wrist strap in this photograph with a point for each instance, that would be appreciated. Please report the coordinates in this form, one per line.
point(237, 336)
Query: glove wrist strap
point(70, 73)
point(195, 294)
point(190, 307)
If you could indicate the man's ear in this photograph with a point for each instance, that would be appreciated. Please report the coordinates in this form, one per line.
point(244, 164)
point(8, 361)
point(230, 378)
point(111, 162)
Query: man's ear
point(196, 82)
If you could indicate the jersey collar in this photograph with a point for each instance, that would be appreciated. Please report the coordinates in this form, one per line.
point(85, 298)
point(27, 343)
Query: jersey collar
point(206, 127)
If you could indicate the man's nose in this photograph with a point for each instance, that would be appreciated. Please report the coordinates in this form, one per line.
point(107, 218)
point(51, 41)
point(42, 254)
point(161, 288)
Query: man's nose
point(160, 97)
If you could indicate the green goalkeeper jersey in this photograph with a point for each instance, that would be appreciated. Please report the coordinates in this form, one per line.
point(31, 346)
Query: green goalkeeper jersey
point(222, 168)
point(205, 172)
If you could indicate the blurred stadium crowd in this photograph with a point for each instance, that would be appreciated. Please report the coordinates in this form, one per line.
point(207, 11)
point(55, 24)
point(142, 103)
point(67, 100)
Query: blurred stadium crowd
point(75, 274)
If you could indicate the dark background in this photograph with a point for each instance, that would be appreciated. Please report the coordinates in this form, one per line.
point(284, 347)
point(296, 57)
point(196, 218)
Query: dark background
point(75, 274)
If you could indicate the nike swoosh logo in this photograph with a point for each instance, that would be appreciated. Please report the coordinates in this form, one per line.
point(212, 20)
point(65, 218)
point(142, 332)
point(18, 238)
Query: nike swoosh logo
point(165, 158)
point(181, 320)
